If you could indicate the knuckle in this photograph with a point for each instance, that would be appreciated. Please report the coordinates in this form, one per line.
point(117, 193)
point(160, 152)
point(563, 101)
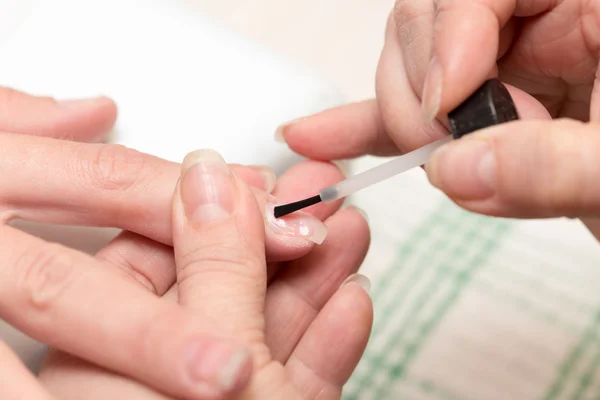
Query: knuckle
point(406, 11)
point(123, 267)
point(117, 168)
point(43, 274)
point(221, 259)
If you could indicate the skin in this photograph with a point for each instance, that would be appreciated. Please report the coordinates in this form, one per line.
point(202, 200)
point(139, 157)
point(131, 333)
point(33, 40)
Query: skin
point(60, 296)
point(306, 327)
point(438, 52)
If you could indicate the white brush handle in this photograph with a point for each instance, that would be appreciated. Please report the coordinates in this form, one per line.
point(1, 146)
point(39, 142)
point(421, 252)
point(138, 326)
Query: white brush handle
point(382, 172)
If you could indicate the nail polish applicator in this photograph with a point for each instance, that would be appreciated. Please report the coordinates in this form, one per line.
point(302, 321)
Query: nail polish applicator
point(491, 104)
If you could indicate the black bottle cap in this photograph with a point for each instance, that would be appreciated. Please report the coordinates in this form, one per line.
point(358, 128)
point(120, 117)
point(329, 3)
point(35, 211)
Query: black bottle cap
point(490, 105)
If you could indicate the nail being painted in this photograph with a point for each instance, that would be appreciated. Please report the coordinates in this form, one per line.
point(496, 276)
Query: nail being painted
point(301, 225)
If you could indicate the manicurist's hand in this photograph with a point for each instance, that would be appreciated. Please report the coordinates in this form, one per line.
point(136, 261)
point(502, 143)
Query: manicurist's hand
point(304, 323)
point(438, 52)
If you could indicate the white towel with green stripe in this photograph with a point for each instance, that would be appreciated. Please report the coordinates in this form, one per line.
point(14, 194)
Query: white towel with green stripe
point(475, 308)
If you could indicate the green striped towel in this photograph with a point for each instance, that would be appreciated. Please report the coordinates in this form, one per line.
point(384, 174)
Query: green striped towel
point(475, 308)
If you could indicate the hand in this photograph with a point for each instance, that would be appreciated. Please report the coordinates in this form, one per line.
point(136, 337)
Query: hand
point(436, 54)
point(305, 335)
point(74, 302)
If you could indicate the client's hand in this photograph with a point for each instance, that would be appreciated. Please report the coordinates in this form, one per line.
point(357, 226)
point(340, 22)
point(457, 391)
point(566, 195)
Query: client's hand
point(77, 303)
point(304, 328)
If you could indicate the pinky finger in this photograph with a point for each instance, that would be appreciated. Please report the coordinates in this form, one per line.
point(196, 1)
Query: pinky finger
point(332, 347)
point(18, 382)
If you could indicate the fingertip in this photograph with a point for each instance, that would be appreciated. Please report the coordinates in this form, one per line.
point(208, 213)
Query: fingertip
point(343, 132)
point(361, 212)
point(88, 119)
point(355, 296)
point(357, 279)
point(85, 119)
point(217, 368)
point(298, 225)
point(527, 106)
point(542, 170)
point(343, 328)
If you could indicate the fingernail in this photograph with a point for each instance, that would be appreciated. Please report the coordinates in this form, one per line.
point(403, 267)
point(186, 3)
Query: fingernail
point(297, 225)
point(465, 169)
point(360, 211)
point(281, 131)
point(76, 103)
point(279, 134)
point(432, 91)
point(237, 365)
point(343, 167)
point(269, 177)
point(360, 280)
point(207, 187)
point(219, 366)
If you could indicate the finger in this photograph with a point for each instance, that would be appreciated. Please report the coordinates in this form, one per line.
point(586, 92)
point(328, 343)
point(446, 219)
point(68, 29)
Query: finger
point(415, 23)
point(90, 184)
point(71, 378)
point(60, 297)
point(397, 106)
point(147, 262)
point(81, 120)
point(295, 235)
point(400, 104)
point(303, 288)
point(151, 264)
point(340, 133)
point(451, 74)
point(218, 235)
point(334, 343)
point(18, 382)
point(534, 169)
point(464, 31)
point(258, 176)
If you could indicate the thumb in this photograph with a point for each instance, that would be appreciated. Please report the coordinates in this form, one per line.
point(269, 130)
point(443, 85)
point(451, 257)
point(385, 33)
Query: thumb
point(219, 243)
point(81, 120)
point(525, 169)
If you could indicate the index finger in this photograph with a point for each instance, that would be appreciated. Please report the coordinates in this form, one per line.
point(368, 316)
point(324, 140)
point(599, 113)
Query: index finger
point(53, 181)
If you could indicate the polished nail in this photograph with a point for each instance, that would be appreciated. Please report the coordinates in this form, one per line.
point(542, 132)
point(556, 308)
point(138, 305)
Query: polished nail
point(219, 366)
point(465, 169)
point(296, 225)
point(360, 280)
point(432, 91)
point(207, 187)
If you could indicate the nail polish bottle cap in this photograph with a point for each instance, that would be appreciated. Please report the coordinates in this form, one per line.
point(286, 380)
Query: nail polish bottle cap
point(490, 105)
